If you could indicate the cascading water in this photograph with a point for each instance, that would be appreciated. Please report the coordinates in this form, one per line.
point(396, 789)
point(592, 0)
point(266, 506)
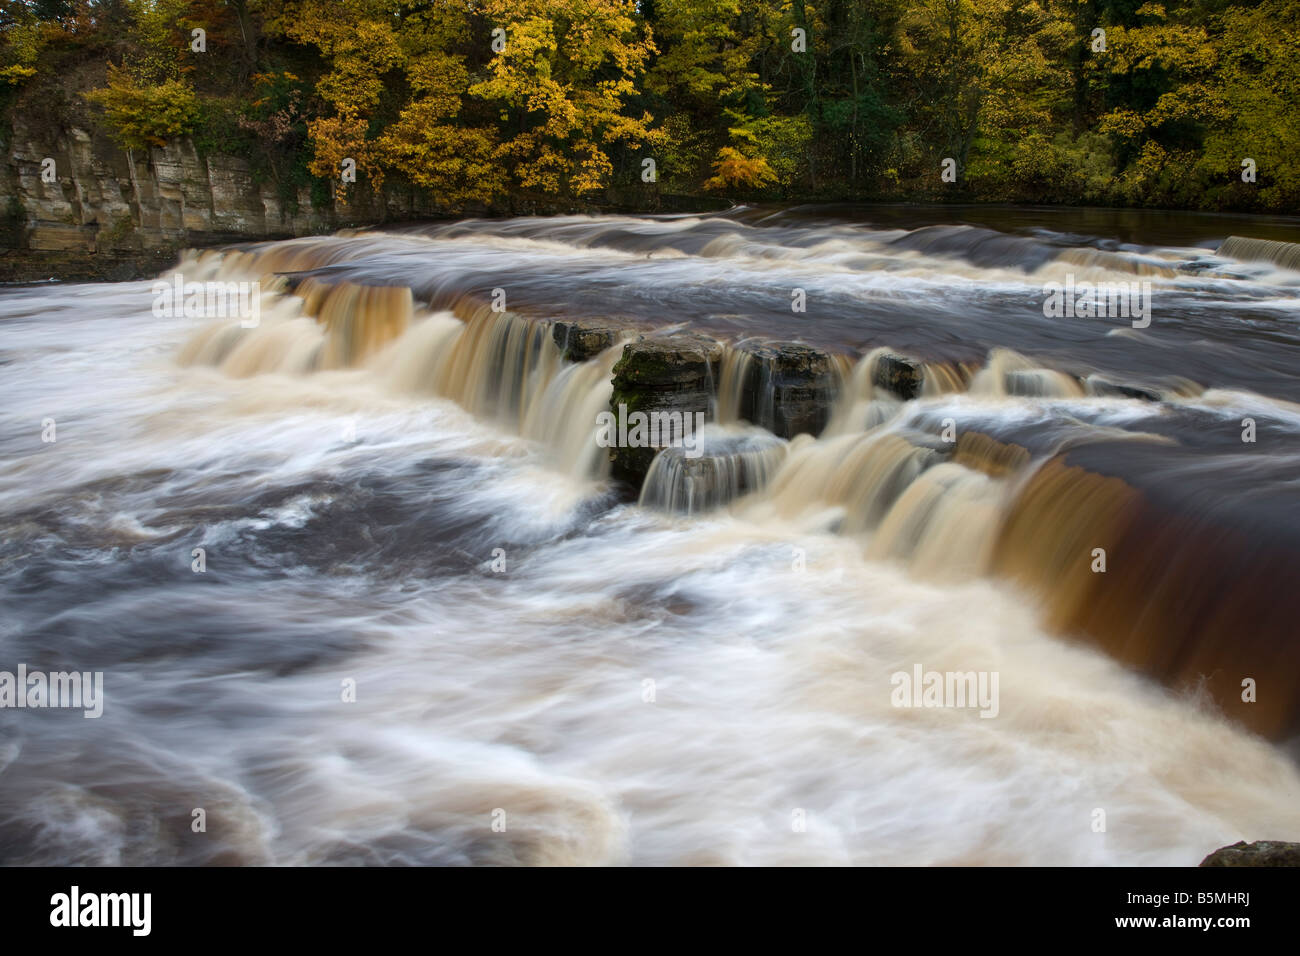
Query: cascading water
point(731, 462)
point(497, 365)
point(393, 485)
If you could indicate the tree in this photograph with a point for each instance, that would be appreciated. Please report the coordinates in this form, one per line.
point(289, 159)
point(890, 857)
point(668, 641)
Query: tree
point(141, 116)
point(561, 86)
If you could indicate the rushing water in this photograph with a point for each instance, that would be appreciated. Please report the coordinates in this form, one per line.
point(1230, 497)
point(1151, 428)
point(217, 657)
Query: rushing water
point(394, 495)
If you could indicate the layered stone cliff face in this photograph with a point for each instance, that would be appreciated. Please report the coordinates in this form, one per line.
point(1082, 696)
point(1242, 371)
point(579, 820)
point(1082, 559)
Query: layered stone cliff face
point(112, 214)
point(104, 213)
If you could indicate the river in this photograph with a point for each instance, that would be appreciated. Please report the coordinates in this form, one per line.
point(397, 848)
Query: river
point(427, 628)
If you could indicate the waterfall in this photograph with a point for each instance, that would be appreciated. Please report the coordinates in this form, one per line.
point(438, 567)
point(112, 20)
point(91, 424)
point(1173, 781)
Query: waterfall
point(734, 461)
point(1284, 254)
point(501, 366)
point(935, 464)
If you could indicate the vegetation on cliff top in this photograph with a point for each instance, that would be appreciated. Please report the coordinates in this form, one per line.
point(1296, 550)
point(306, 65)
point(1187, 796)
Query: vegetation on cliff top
point(1077, 101)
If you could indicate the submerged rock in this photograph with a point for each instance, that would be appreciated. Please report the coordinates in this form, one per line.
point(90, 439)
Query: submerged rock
point(671, 373)
point(1104, 387)
point(1263, 853)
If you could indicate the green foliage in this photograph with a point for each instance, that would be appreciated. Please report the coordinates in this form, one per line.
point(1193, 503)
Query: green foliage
point(685, 156)
point(24, 38)
point(161, 39)
point(219, 127)
point(782, 142)
point(1044, 169)
point(140, 116)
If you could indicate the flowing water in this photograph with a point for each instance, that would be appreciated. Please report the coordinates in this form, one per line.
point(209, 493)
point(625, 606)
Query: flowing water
point(398, 490)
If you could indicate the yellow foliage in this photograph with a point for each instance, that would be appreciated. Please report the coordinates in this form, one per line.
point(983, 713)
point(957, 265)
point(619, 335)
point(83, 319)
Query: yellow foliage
point(562, 81)
point(736, 171)
point(17, 73)
point(146, 115)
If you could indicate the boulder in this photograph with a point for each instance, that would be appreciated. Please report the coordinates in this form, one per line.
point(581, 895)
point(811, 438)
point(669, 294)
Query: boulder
point(897, 373)
point(1263, 853)
point(1104, 387)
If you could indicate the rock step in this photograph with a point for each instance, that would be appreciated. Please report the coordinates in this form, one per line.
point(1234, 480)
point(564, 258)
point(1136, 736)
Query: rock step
point(666, 373)
point(583, 339)
point(1247, 249)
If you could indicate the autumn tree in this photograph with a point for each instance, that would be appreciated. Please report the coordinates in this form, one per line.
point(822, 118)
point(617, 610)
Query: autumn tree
point(561, 85)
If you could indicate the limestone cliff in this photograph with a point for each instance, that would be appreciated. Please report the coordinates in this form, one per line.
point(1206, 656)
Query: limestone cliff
point(112, 214)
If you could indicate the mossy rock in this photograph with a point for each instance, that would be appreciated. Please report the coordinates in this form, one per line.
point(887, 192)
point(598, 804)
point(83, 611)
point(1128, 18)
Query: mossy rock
point(670, 373)
point(583, 339)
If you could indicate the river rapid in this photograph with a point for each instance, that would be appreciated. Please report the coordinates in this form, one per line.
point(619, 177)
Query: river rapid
point(428, 629)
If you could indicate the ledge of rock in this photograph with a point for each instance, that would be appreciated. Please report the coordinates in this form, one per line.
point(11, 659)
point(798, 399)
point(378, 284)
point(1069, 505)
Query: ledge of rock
point(670, 373)
point(789, 388)
point(1162, 607)
point(583, 339)
point(1263, 853)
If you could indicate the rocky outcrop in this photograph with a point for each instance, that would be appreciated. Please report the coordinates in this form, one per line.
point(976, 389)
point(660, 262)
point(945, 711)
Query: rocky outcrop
point(789, 388)
point(75, 205)
point(898, 374)
point(785, 388)
point(71, 196)
point(671, 373)
point(1263, 853)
